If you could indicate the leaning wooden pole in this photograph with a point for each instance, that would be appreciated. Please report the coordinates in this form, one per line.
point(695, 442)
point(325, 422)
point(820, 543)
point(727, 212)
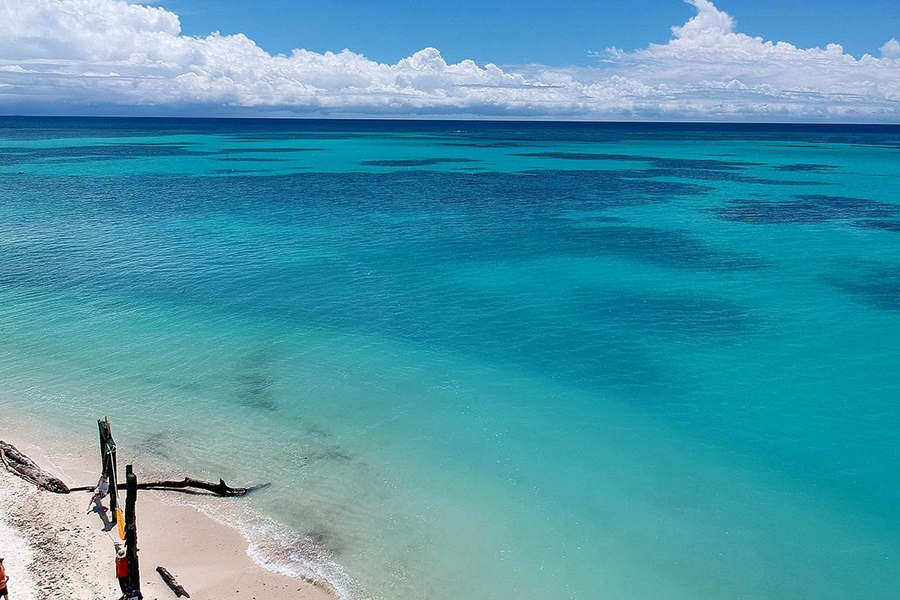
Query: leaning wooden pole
point(101, 425)
point(113, 474)
point(131, 547)
point(108, 458)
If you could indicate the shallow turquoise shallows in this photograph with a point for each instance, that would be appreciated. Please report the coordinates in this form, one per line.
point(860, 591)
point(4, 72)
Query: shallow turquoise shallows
point(491, 361)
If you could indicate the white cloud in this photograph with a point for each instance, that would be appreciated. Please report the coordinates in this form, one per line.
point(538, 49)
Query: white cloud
point(67, 55)
point(891, 49)
point(711, 26)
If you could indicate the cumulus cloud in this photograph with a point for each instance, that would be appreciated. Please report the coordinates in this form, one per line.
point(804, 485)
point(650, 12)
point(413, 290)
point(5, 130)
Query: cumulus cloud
point(69, 55)
point(707, 56)
point(891, 49)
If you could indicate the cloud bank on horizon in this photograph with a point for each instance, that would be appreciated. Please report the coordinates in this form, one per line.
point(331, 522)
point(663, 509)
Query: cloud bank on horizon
point(72, 56)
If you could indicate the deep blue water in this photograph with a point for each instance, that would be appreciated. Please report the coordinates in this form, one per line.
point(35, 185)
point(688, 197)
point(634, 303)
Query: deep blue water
point(485, 360)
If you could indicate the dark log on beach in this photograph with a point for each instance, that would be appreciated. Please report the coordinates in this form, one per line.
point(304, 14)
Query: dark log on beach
point(131, 547)
point(188, 485)
point(170, 581)
point(219, 489)
point(19, 464)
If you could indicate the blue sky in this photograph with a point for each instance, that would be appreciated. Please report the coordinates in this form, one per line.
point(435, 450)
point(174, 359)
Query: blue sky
point(525, 31)
point(706, 60)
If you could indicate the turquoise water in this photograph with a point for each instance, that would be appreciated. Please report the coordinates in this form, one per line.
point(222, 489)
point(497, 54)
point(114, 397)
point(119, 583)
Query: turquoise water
point(482, 360)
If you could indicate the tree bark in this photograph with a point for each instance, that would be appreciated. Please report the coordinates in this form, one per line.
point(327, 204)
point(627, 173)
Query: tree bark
point(19, 464)
point(108, 460)
point(188, 485)
point(131, 547)
point(170, 581)
point(219, 489)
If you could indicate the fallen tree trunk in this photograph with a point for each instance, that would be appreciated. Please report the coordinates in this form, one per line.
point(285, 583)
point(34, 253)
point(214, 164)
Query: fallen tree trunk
point(219, 489)
point(189, 485)
point(170, 581)
point(19, 464)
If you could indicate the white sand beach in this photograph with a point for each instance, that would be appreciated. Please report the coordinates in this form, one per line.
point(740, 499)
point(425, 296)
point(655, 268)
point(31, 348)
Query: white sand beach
point(53, 549)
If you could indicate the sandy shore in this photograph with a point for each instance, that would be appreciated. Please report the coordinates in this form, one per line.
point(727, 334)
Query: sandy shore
point(54, 550)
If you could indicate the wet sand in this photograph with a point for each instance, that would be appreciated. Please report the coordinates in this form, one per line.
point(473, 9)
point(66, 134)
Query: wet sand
point(54, 549)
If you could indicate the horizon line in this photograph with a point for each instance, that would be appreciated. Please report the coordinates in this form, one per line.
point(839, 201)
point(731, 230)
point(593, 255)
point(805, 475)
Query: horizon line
point(468, 119)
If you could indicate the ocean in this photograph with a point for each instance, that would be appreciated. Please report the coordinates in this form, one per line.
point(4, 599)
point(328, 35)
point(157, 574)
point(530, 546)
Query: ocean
point(482, 360)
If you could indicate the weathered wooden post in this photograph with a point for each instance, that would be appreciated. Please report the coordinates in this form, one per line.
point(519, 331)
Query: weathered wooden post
point(101, 424)
point(131, 547)
point(108, 459)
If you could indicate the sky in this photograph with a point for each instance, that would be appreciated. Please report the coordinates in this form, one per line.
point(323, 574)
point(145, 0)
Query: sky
point(508, 32)
point(728, 60)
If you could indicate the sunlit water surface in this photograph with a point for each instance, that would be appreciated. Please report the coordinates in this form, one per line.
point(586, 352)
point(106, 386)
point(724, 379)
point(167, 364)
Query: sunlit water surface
point(493, 361)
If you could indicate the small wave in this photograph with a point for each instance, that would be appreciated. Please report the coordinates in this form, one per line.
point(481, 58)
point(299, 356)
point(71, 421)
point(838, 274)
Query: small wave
point(278, 549)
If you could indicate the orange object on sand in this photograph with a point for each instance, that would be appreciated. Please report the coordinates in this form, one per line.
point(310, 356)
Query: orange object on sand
point(120, 522)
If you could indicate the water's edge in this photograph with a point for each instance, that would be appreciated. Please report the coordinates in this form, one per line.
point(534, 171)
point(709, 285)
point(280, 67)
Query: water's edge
point(266, 539)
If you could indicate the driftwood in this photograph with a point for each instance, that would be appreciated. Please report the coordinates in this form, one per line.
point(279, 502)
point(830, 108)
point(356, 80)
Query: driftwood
point(188, 485)
point(170, 581)
point(131, 543)
point(19, 464)
point(108, 460)
point(219, 489)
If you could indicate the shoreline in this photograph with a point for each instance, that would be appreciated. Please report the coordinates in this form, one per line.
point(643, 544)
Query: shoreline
point(52, 547)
